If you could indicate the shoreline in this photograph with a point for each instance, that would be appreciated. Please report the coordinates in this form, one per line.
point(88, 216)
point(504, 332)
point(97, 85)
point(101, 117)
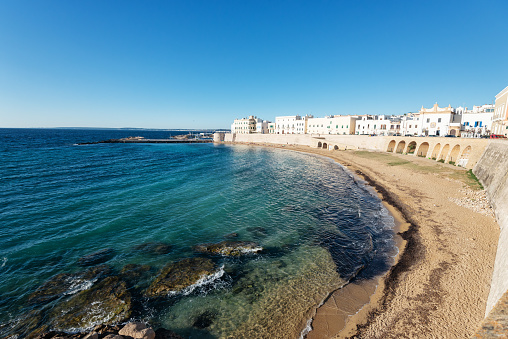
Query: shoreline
point(439, 285)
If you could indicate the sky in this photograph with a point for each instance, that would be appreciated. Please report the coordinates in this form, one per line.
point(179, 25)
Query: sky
point(202, 64)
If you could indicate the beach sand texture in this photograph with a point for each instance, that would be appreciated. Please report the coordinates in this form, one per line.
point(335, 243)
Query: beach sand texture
point(440, 284)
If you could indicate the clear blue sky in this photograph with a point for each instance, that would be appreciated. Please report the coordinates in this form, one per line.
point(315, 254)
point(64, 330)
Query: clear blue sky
point(201, 64)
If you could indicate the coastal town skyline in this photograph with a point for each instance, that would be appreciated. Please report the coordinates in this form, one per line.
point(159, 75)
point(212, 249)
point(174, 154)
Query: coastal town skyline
point(199, 65)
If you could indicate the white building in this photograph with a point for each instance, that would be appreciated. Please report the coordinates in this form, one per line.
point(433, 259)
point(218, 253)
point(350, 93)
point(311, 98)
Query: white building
point(410, 124)
point(476, 122)
point(245, 125)
point(378, 125)
point(334, 124)
point(262, 126)
point(291, 124)
point(439, 121)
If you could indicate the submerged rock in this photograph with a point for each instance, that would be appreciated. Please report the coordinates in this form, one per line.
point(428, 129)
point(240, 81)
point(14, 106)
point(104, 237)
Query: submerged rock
point(231, 235)
point(135, 274)
point(162, 333)
point(96, 257)
point(229, 248)
point(67, 283)
point(177, 276)
point(106, 303)
point(154, 248)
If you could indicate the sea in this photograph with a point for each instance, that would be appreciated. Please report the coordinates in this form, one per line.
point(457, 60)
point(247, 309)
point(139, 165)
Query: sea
point(319, 228)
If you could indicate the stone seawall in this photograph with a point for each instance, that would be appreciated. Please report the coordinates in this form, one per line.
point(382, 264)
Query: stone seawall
point(460, 151)
point(492, 171)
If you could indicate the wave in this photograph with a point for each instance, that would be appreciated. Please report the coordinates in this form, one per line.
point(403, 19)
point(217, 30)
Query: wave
point(204, 280)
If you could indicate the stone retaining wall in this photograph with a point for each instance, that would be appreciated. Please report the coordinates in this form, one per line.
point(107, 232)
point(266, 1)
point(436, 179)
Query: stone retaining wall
point(492, 171)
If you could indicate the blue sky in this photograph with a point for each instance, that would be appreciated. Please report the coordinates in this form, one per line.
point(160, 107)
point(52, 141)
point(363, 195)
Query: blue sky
point(201, 64)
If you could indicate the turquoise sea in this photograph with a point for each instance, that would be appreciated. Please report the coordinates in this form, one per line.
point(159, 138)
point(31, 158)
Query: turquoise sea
point(319, 228)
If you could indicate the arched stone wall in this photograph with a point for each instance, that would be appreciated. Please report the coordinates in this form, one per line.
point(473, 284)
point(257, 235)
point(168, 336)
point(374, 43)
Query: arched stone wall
point(464, 157)
point(401, 146)
point(423, 149)
point(454, 154)
point(411, 147)
point(391, 146)
point(444, 152)
point(435, 151)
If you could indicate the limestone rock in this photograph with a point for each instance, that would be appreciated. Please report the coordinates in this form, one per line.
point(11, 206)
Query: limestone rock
point(154, 248)
point(96, 257)
point(137, 330)
point(177, 276)
point(91, 335)
point(66, 283)
point(106, 303)
point(229, 248)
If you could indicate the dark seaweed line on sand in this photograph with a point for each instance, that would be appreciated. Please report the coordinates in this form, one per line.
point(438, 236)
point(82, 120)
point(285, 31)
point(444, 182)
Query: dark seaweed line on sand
point(412, 252)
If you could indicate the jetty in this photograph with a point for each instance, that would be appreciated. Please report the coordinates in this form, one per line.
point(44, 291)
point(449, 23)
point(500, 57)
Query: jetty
point(142, 140)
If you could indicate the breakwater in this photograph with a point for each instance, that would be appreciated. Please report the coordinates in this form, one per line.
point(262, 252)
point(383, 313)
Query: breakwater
point(148, 141)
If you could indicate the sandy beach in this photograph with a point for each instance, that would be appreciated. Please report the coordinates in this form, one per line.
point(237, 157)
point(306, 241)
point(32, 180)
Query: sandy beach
point(439, 286)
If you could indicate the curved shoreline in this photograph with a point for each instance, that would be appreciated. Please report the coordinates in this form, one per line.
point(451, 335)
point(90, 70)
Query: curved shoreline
point(440, 284)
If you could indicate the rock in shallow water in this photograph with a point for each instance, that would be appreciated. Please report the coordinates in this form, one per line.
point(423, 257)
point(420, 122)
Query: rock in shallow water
point(177, 276)
point(229, 248)
point(154, 248)
point(67, 283)
point(107, 302)
point(96, 257)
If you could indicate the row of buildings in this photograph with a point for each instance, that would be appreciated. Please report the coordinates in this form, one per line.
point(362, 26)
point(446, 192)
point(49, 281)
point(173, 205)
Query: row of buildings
point(436, 121)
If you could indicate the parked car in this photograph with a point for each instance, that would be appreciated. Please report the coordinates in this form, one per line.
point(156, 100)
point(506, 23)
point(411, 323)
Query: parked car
point(497, 136)
point(450, 136)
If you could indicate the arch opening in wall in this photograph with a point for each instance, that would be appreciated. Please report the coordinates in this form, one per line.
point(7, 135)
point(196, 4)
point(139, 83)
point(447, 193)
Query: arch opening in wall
point(401, 146)
point(454, 155)
point(423, 149)
point(391, 146)
point(336, 147)
point(444, 153)
point(464, 157)
point(319, 145)
point(325, 145)
point(435, 152)
point(411, 147)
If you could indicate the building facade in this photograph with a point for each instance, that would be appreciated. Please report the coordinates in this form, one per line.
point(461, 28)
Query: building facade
point(291, 124)
point(439, 121)
point(244, 126)
point(477, 122)
point(500, 118)
point(334, 124)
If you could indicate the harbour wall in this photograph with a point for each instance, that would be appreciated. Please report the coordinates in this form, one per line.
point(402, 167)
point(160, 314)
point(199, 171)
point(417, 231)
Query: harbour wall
point(487, 158)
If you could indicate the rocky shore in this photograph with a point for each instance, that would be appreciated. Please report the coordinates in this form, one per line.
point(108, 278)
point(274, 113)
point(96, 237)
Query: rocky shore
point(131, 330)
point(91, 303)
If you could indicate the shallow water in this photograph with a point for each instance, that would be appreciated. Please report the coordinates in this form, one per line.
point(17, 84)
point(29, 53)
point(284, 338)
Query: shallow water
point(58, 202)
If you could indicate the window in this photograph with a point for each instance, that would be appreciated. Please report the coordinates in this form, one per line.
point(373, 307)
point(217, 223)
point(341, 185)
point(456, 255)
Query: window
point(428, 120)
point(439, 120)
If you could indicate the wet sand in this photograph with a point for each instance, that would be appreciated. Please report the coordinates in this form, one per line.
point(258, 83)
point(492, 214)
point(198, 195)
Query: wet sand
point(440, 283)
